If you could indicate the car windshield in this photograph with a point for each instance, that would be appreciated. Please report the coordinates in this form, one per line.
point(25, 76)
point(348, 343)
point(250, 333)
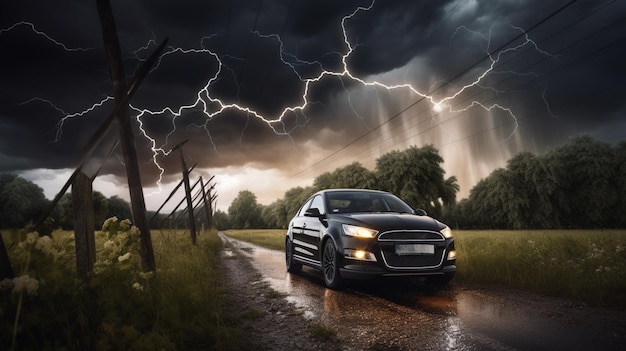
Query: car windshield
point(356, 201)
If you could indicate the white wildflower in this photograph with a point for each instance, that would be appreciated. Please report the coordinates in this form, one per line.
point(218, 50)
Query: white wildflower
point(134, 231)
point(31, 238)
point(110, 245)
point(146, 275)
point(25, 284)
point(125, 224)
point(6, 284)
point(137, 286)
point(124, 257)
point(108, 222)
point(44, 244)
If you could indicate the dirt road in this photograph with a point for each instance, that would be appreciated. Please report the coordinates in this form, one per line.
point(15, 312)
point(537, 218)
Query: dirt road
point(386, 315)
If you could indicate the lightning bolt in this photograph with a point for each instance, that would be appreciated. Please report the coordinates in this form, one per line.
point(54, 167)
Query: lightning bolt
point(211, 106)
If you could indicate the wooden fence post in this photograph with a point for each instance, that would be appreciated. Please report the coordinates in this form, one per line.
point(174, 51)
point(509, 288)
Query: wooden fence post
point(82, 205)
point(6, 271)
point(127, 137)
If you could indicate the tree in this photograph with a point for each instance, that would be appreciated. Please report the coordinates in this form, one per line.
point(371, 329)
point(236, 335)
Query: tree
point(244, 212)
point(222, 222)
point(294, 198)
point(274, 215)
point(350, 176)
point(21, 201)
point(119, 208)
point(416, 175)
point(100, 209)
point(586, 174)
point(619, 211)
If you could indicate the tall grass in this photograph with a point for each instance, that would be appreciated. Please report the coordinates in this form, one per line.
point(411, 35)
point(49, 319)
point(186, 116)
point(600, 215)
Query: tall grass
point(588, 265)
point(181, 306)
point(269, 238)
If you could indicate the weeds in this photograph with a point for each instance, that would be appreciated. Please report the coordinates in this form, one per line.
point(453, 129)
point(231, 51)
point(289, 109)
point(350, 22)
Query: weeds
point(585, 265)
point(322, 331)
point(180, 306)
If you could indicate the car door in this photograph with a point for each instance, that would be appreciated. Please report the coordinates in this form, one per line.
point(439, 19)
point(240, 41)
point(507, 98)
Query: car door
point(313, 225)
point(303, 248)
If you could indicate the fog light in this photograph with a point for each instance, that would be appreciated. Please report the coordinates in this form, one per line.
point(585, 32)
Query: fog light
point(451, 255)
point(359, 255)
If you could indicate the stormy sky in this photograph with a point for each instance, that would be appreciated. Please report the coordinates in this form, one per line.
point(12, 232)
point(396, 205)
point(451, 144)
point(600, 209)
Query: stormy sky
point(271, 94)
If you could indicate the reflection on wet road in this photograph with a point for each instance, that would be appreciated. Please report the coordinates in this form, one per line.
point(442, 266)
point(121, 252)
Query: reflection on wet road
point(385, 314)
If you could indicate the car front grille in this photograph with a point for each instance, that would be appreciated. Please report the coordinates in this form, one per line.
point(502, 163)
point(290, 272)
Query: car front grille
point(388, 241)
point(412, 235)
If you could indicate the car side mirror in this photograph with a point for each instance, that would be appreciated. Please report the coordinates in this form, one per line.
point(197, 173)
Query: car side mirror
point(420, 212)
point(313, 212)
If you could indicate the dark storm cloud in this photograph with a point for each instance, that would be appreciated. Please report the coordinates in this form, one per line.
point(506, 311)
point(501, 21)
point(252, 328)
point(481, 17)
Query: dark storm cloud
point(583, 81)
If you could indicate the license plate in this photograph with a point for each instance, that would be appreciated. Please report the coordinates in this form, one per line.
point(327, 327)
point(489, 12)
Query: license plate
point(415, 249)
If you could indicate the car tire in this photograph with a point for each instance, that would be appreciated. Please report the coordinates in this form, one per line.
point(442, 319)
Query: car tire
point(330, 266)
point(292, 266)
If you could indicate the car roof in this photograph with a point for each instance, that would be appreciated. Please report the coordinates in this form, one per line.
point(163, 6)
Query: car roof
point(352, 189)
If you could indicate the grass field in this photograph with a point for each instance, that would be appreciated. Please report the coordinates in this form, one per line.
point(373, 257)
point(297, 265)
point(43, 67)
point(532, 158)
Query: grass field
point(589, 265)
point(181, 306)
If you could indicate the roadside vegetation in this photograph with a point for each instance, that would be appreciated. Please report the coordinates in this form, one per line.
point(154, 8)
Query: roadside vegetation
point(577, 185)
point(587, 265)
point(179, 307)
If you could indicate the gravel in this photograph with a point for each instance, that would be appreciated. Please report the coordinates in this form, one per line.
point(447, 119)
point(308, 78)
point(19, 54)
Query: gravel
point(269, 320)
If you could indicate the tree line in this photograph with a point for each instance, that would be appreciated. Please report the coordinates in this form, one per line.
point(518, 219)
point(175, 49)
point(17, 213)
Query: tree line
point(22, 203)
point(580, 184)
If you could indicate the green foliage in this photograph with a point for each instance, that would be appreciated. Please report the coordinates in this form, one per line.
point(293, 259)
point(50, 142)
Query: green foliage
point(294, 198)
point(577, 185)
point(586, 265)
point(21, 201)
point(272, 239)
point(350, 176)
point(244, 212)
point(118, 207)
point(178, 307)
point(222, 222)
point(416, 175)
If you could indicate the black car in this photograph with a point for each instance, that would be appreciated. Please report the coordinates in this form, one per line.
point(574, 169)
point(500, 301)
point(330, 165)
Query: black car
point(357, 233)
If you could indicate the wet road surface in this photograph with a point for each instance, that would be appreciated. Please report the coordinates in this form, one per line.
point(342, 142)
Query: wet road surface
point(391, 315)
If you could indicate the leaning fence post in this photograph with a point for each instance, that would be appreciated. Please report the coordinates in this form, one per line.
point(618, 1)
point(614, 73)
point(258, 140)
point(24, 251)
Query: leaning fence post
point(5, 265)
point(127, 137)
point(82, 205)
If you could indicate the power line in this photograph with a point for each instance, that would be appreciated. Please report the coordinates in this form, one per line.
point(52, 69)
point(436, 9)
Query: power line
point(523, 33)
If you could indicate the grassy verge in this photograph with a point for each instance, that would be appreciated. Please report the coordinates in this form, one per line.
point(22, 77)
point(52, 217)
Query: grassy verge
point(589, 265)
point(178, 307)
point(269, 238)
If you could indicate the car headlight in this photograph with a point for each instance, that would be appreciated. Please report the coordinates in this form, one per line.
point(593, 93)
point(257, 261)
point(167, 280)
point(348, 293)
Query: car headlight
point(447, 232)
point(360, 232)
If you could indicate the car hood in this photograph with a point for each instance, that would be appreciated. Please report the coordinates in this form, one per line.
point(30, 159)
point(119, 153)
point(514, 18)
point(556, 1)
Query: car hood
point(390, 221)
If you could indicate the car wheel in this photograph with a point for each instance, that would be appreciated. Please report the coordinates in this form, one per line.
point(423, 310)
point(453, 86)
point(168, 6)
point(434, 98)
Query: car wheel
point(292, 266)
point(330, 266)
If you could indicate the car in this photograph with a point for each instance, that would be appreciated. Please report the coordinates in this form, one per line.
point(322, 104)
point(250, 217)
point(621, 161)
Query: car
point(359, 233)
